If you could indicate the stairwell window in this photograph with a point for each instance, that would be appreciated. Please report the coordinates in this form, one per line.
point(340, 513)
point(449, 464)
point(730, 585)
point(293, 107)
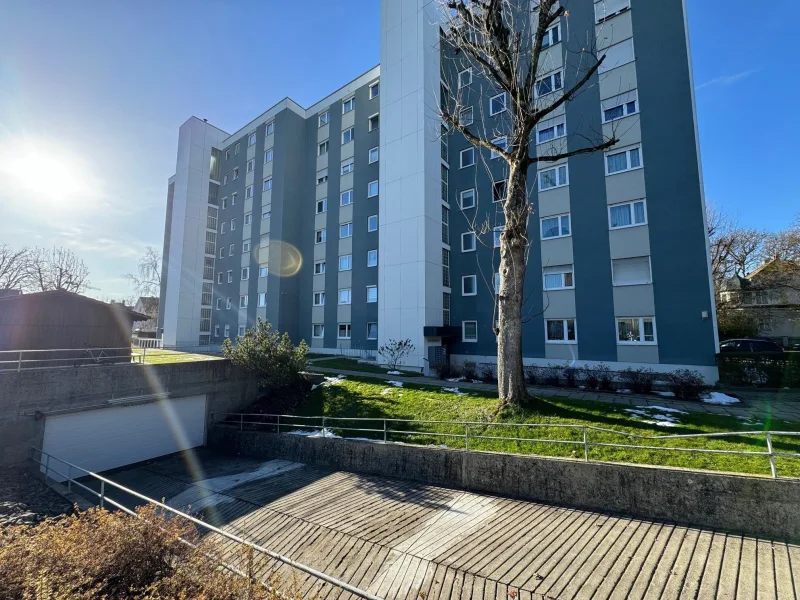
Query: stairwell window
point(236, 173)
point(497, 104)
point(636, 331)
point(243, 301)
point(467, 198)
point(372, 223)
point(467, 157)
point(500, 142)
point(374, 90)
point(556, 227)
point(466, 116)
point(469, 285)
point(372, 331)
point(323, 118)
point(625, 160)
point(627, 214)
point(553, 178)
point(465, 78)
point(468, 242)
point(228, 303)
point(499, 189)
point(248, 191)
point(374, 154)
point(245, 247)
point(245, 273)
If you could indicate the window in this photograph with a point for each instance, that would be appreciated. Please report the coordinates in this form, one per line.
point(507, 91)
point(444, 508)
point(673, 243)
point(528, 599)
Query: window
point(348, 135)
point(555, 227)
point(608, 8)
point(248, 218)
point(319, 268)
point(629, 214)
point(262, 300)
point(348, 166)
point(263, 271)
point(372, 331)
point(348, 105)
point(444, 151)
point(222, 252)
point(344, 331)
point(616, 56)
point(372, 223)
point(372, 189)
point(266, 215)
point(373, 155)
point(497, 104)
point(251, 164)
point(211, 243)
point(228, 303)
point(466, 116)
point(222, 230)
point(224, 203)
point(269, 156)
point(219, 302)
point(227, 331)
point(241, 330)
point(467, 157)
point(621, 106)
point(374, 122)
point(219, 277)
point(445, 309)
point(318, 331)
point(374, 90)
point(245, 273)
point(465, 78)
point(445, 174)
point(445, 267)
point(231, 249)
point(320, 236)
point(346, 262)
point(631, 271)
point(627, 160)
point(499, 191)
point(346, 198)
point(263, 241)
point(553, 178)
point(323, 118)
point(502, 143)
point(445, 225)
point(243, 301)
point(248, 191)
point(246, 247)
point(216, 331)
point(558, 278)
point(550, 130)
point(225, 179)
point(322, 206)
point(233, 227)
point(469, 285)
point(468, 242)
point(560, 331)
point(552, 36)
point(497, 234)
point(319, 298)
point(345, 230)
point(236, 173)
point(372, 258)
point(345, 296)
point(550, 83)
point(322, 148)
point(372, 294)
point(233, 199)
point(497, 283)
point(266, 188)
point(236, 148)
point(230, 276)
point(322, 176)
point(469, 331)
point(227, 154)
point(270, 129)
point(467, 198)
point(637, 330)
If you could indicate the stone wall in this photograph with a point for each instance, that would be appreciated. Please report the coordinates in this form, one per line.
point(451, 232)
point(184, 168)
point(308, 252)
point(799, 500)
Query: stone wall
point(750, 505)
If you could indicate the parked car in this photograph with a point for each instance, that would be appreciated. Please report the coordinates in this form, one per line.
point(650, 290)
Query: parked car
point(749, 345)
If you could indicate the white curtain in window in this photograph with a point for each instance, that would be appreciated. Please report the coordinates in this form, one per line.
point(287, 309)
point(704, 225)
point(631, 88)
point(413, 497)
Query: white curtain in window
point(617, 162)
point(636, 160)
point(553, 281)
point(550, 227)
point(621, 215)
point(638, 212)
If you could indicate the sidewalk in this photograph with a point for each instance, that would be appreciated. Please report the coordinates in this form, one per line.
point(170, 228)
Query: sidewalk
point(757, 405)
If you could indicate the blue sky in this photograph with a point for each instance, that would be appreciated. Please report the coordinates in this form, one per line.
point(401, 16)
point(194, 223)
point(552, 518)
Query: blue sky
point(92, 94)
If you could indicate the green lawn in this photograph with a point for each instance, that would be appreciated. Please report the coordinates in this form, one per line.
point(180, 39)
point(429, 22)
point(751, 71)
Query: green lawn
point(157, 356)
point(349, 364)
point(362, 397)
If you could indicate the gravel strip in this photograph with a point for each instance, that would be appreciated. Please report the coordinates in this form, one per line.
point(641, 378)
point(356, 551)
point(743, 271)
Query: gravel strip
point(25, 500)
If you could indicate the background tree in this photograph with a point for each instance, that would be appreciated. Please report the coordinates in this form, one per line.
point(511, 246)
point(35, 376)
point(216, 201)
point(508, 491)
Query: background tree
point(13, 267)
point(503, 42)
point(147, 281)
point(56, 269)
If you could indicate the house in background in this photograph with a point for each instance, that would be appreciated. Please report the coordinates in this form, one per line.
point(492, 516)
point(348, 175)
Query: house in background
point(771, 294)
point(146, 330)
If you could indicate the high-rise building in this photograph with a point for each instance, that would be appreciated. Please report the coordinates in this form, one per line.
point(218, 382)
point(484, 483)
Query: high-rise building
point(350, 223)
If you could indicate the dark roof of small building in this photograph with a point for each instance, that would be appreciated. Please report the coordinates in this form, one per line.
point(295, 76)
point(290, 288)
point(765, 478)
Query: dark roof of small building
point(136, 316)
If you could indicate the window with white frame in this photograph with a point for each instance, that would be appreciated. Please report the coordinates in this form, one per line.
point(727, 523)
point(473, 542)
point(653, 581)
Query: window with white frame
point(631, 271)
point(467, 157)
point(345, 296)
point(374, 122)
point(500, 142)
point(233, 199)
point(374, 154)
point(322, 176)
point(227, 331)
point(372, 223)
point(322, 148)
point(497, 104)
point(227, 155)
point(348, 105)
point(606, 9)
point(551, 130)
point(372, 189)
point(497, 233)
point(319, 267)
point(222, 251)
point(251, 164)
point(372, 331)
point(266, 186)
point(469, 331)
point(346, 230)
point(560, 331)
point(372, 258)
point(469, 285)
point(558, 277)
point(552, 36)
point(230, 276)
point(499, 189)
point(627, 214)
point(466, 116)
point(225, 179)
point(216, 331)
point(372, 294)
point(625, 160)
point(322, 206)
point(224, 203)
point(319, 298)
point(248, 218)
point(553, 178)
point(245, 273)
point(497, 283)
point(616, 56)
point(245, 246)
point(636, 330)
point(467, 198)
point(228, 303)
point(549, 83)
point(318, 330)
point(323, 118)
point(348, 135)
point(465, 77)
point(241, 330)
point(270, 128)
point(320, 236)
point(556, 227)
point(468, 242)
point(231, 248)
point(220, 275)
point(236, 173)
point(374, 90)
point(219, 303)
point(262, 299)
point(348, 166)
point(346, 262)
point(263, 271)
point(344, 331)
point(233, 224)
point(620, 106)
point(269, 156)
point(236, 148)
point(346, 198)
point(243, 301)
point(251, 140)
point(222, 230)
point(248, 191)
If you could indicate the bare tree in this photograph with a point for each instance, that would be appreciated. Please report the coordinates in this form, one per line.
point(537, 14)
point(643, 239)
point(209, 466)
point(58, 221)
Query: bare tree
point(504, 44)
point(147, 282)
point(13, 267)
point(56, 269)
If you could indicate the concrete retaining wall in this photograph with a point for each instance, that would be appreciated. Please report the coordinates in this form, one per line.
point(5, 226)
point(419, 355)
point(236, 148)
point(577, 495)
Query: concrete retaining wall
point(87, 388)
point(749, 505)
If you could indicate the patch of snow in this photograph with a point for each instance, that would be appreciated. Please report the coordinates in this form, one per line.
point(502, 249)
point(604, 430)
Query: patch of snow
point(457, 379)
point(666, 418)
point(666, 410)
point(313, 387)
point(386, 391)
point(666, 394)
point(638, 413)
point(393, 373)
point(322, 433)
point(454, 390)
point(395, 383)
point(719, 398)
point(660, 423)
point(651, 419)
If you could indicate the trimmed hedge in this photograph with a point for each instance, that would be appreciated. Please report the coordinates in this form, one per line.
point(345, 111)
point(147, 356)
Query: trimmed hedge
point(767, 369)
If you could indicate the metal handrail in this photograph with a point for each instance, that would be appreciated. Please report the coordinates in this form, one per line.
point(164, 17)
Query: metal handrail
point(21, 358)
point(105, 499)
point(281, 423)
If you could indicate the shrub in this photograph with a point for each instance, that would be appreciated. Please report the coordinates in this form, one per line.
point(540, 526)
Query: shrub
point(686, 384)
point(469, 369)
point(488, 374)
point(640, 381)
point(598, 377)
point(571, 374)
point(550, 375)
point(394, 351)
point(445, 370)
point(531, 375)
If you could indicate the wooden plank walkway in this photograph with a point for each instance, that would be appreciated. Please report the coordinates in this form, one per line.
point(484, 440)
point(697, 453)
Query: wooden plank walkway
point(405, 540)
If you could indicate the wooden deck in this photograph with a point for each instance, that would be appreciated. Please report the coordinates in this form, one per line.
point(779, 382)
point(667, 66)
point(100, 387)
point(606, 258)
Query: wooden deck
point(405, 540)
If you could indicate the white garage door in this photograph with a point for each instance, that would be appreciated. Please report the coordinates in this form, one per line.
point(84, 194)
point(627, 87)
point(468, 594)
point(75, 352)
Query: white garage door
point(103, 439)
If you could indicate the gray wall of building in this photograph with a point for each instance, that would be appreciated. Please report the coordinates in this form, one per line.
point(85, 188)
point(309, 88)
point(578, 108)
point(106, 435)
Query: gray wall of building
point(165, 256)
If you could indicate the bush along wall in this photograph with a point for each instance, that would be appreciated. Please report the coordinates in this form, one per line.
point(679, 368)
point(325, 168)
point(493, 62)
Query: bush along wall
point(769, 369)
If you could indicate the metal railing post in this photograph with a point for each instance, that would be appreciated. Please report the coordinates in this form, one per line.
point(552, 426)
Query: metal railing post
point(279, 424)
point(466, 436)
point(46, 467)
point(69, 477)
point(772, 467)
point(324, 432)
point(102, 494)
point(241, 422)
point(19, 362)
point(585, 446)
point(385, 432)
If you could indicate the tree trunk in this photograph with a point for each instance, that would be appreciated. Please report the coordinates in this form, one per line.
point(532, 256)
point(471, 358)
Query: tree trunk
point(513, 244)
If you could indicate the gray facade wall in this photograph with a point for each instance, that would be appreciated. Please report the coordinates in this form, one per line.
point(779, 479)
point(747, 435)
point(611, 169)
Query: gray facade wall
point(165, 256)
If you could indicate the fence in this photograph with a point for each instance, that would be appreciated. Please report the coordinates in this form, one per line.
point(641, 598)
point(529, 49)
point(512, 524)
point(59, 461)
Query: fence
point(44, 461)
point(767, 369)
point(146, 342)
point(465, 432)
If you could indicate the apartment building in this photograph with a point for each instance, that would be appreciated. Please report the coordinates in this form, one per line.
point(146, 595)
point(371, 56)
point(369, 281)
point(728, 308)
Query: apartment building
point(347, 223)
